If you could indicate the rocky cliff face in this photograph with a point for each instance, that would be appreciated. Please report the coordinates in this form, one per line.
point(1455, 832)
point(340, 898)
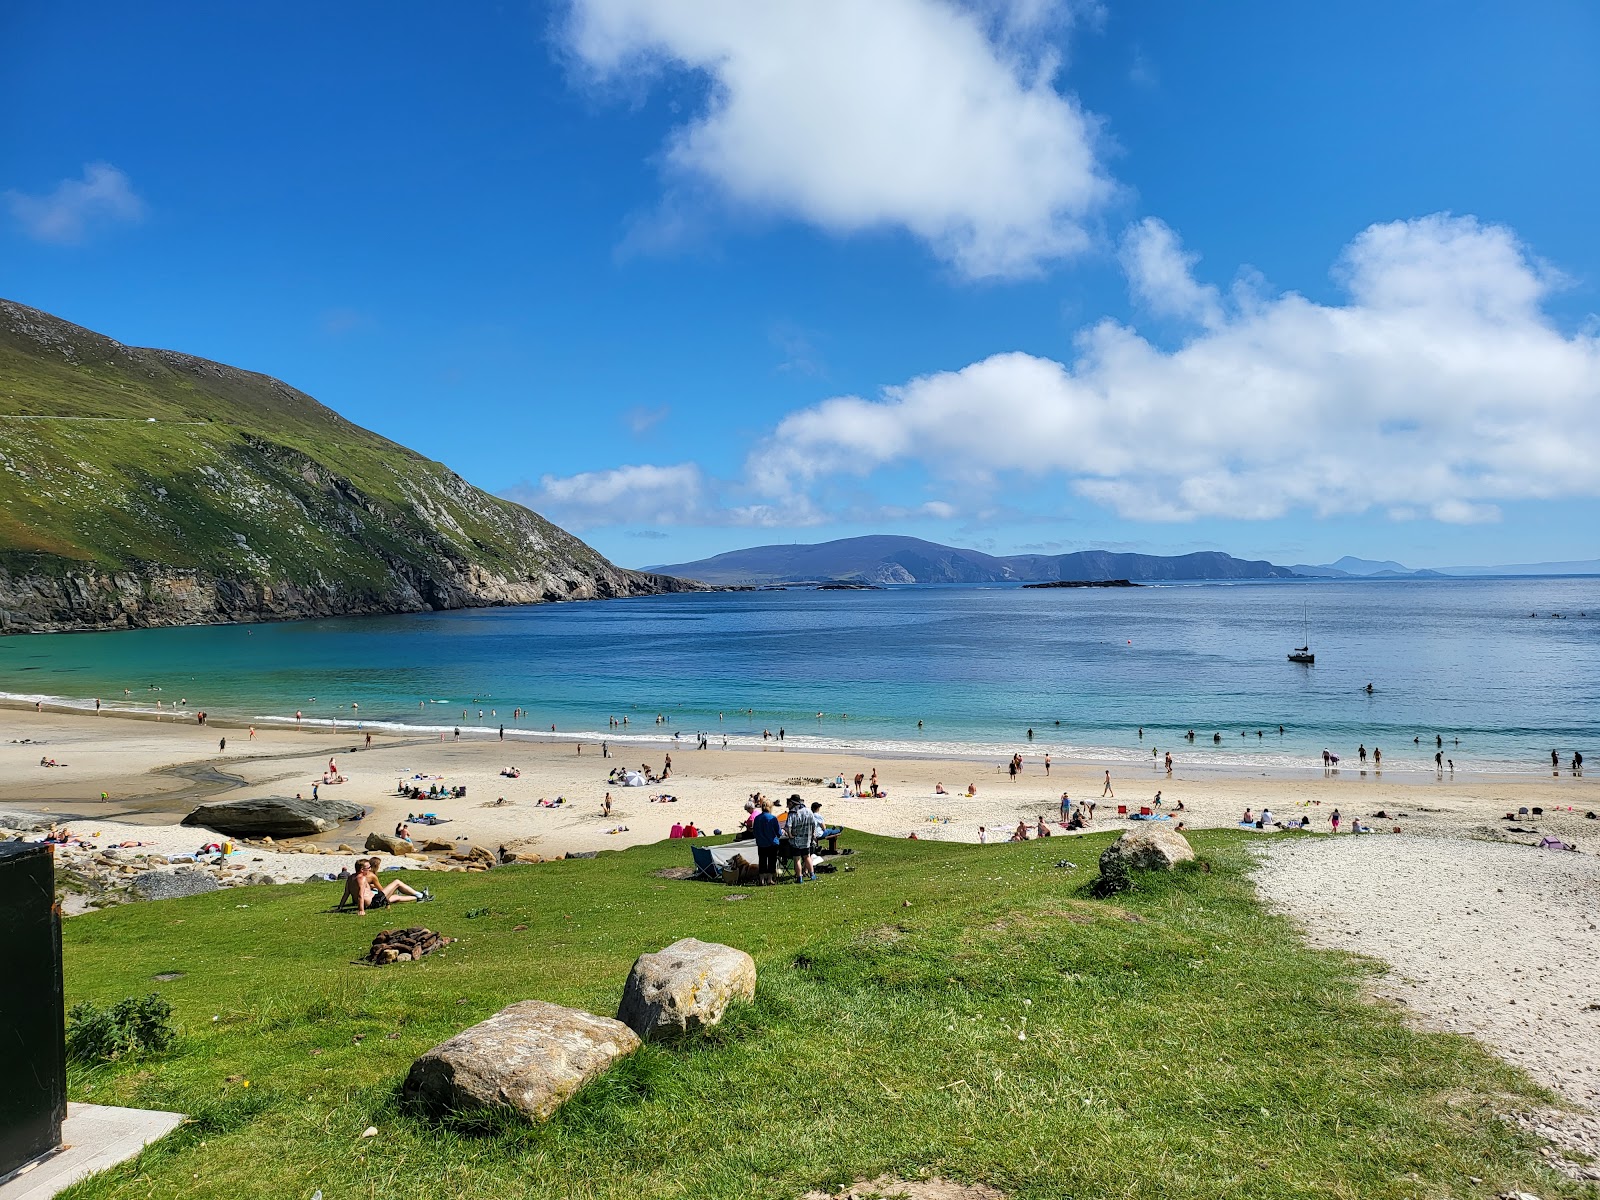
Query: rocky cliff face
point(134, 598)
point(144, 487)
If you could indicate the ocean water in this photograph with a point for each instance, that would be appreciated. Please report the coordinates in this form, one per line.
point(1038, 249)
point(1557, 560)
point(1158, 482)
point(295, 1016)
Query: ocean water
point(1484, 664)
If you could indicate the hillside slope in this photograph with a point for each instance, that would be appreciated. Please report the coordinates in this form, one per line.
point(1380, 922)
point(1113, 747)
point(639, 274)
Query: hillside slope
point(145, 487)
point(892, 559)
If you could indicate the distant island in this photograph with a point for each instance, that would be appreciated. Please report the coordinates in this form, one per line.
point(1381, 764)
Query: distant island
point(887, 559)
point(1083, 583)
point(149, 487)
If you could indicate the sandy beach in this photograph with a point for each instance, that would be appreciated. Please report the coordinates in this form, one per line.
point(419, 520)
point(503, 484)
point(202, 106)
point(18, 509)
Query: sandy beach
point(154, 772)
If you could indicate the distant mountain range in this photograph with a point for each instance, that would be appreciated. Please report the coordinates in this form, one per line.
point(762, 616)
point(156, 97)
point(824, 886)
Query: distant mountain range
point(892, 559)
point(1350, 567)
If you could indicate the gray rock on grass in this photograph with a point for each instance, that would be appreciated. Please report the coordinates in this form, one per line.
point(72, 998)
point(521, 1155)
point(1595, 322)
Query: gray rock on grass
point(529, 1058)
point(169, 885)
point(1150, 848)
point(687, 986)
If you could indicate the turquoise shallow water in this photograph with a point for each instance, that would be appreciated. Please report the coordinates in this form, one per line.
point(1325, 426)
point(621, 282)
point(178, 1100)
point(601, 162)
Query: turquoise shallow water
point(1462, 659)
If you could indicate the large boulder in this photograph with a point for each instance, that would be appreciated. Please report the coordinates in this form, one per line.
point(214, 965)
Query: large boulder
point(169, 885)
point(1150, 848)
point(274, 816)
point(529, 1058)
point(686, 986)
point(392, 845)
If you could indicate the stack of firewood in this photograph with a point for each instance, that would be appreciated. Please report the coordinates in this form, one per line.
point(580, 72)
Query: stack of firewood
point(405, 945)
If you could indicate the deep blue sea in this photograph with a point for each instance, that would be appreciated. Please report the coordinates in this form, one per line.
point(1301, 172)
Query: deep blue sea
point(1484, 661)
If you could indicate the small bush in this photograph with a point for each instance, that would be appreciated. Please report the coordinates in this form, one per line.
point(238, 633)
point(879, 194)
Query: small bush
point(129, 1026)
point(1114, 876)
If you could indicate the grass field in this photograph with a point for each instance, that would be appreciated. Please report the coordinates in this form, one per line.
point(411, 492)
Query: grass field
point(939, 1009)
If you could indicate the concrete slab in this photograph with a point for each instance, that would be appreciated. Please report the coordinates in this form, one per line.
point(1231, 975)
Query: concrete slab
point(95, 1136)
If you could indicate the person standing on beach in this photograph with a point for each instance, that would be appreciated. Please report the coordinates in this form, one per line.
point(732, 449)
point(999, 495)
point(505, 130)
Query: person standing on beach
point(1066, 806)
point(1106, 791)
point(1169, 762)
point(1334, 820)
point(1438, 761)
point(222, 744)
point(1377, 759)
point(502, 733)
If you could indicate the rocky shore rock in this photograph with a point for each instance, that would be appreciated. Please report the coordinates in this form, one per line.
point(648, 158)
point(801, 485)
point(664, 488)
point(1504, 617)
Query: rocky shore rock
point(684, 987)
point(169, 885)
point(528, 1058)
point(275, 816)
point(389, 844)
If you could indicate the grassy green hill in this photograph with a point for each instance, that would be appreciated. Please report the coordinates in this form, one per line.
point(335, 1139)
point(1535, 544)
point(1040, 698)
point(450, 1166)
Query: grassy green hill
point(1179, 1042)
point(150, 487)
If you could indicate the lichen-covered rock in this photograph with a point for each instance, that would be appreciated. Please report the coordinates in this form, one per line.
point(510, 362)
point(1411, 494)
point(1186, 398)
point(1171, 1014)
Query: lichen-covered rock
point(1150, 848)
point(169, 885)
point(684, 987)
point(529, 1058)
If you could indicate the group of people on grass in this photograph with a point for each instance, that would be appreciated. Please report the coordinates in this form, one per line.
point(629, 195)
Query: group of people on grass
point(794, 834)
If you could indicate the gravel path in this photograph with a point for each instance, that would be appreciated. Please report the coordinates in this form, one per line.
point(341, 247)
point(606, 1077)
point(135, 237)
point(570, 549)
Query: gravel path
point(1493, 940)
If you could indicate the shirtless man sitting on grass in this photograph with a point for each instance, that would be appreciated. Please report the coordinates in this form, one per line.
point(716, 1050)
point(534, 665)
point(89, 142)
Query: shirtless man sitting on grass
point(371, 893)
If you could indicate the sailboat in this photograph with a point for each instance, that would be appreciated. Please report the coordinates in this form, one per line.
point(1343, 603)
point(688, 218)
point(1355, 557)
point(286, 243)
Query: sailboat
point(1302, 654)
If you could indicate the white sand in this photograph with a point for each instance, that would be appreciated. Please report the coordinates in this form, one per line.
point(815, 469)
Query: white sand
point(1495, 941)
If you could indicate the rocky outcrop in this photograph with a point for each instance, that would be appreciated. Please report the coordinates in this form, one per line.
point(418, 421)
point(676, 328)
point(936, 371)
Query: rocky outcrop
point(528, 1058)
point(276, 507)
point(685, 987)
point(169, 885)
point(1151, 847)
point(389, 844)
point(274, 816)
point(60, 601)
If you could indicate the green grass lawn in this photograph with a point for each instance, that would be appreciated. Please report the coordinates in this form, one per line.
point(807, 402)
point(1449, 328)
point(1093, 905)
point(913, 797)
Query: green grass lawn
point(1180, 1042)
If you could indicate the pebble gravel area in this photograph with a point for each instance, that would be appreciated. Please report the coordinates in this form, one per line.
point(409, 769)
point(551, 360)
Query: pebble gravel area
point(1488, 939)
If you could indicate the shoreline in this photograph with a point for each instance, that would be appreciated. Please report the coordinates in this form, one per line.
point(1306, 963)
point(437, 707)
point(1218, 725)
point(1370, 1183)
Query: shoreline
point(1195, 758)
point(155, 771)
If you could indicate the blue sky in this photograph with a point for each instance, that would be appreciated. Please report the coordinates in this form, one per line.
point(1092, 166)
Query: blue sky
point(1014, 274)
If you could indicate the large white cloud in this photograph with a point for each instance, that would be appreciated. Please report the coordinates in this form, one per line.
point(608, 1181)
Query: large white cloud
point(642, 494)
point(74, 207)
point(939, 118)
point(1441, 388)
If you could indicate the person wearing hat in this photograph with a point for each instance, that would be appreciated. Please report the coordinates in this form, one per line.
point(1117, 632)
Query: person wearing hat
point(801, 830)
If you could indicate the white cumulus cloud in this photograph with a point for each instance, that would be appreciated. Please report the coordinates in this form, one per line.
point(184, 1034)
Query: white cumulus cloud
point(76, 207)
point(1440, 388)
point(934, 117)
point(629, 495)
